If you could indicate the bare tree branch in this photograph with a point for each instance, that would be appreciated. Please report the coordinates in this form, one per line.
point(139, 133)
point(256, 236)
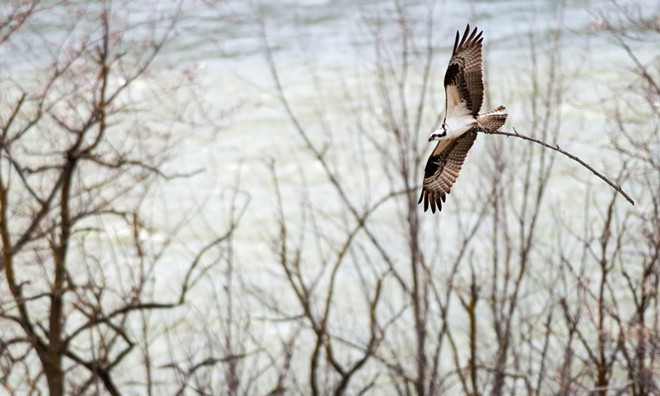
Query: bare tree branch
point(558, 149)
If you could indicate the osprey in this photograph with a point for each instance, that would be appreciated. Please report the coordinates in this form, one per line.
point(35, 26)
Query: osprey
point(464, 91)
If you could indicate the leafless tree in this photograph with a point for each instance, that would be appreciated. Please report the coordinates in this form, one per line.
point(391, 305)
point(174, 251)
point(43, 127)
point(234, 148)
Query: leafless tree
point(85, 137)
point(359, 292)
point(518, 315)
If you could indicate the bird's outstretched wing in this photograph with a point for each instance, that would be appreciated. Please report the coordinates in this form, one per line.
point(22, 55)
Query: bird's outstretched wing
point(464, 84)
point(442, 169)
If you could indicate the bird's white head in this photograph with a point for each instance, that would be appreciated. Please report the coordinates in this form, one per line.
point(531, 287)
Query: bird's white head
point(439, 134)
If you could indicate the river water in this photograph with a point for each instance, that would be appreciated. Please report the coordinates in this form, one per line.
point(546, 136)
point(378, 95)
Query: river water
point(323, 49)
point(327, 42)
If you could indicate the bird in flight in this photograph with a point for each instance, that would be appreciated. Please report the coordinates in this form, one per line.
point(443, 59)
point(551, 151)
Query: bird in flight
point(464, 91)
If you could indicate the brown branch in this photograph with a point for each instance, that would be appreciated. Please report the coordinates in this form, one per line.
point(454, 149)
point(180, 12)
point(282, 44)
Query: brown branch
point(556, 148)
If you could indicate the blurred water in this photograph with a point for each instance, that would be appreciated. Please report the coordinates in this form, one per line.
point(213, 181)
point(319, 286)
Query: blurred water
point(329, 39)
point(327, 42)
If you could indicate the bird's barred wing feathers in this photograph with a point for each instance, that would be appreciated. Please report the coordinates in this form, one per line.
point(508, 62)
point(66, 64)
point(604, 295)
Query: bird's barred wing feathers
point(464, 85)
point(442, 169)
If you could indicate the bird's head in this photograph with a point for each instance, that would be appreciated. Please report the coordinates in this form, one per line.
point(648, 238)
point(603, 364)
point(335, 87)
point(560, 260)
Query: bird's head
point(438, 134)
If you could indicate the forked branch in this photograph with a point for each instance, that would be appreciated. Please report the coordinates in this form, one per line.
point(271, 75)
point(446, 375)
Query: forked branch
point(556, 148)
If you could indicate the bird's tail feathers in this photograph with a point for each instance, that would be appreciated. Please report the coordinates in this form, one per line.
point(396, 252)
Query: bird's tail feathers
point(493, 120)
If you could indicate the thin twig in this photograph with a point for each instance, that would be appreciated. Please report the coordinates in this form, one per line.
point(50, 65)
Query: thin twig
point(556, 148)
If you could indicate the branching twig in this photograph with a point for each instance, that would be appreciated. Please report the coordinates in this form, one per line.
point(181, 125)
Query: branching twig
point(556, 148)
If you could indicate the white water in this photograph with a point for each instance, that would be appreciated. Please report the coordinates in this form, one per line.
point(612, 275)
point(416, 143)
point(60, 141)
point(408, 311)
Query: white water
point(331, 35)
point(329, 38)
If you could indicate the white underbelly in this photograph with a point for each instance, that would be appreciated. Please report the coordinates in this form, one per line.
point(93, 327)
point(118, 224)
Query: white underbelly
point(456, 126)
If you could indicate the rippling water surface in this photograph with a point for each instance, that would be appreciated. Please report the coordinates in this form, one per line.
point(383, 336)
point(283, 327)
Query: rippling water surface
point(325, 57)
point(329, 40)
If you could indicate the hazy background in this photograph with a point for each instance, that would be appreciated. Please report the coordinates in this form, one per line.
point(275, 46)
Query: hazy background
point(286, 142)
